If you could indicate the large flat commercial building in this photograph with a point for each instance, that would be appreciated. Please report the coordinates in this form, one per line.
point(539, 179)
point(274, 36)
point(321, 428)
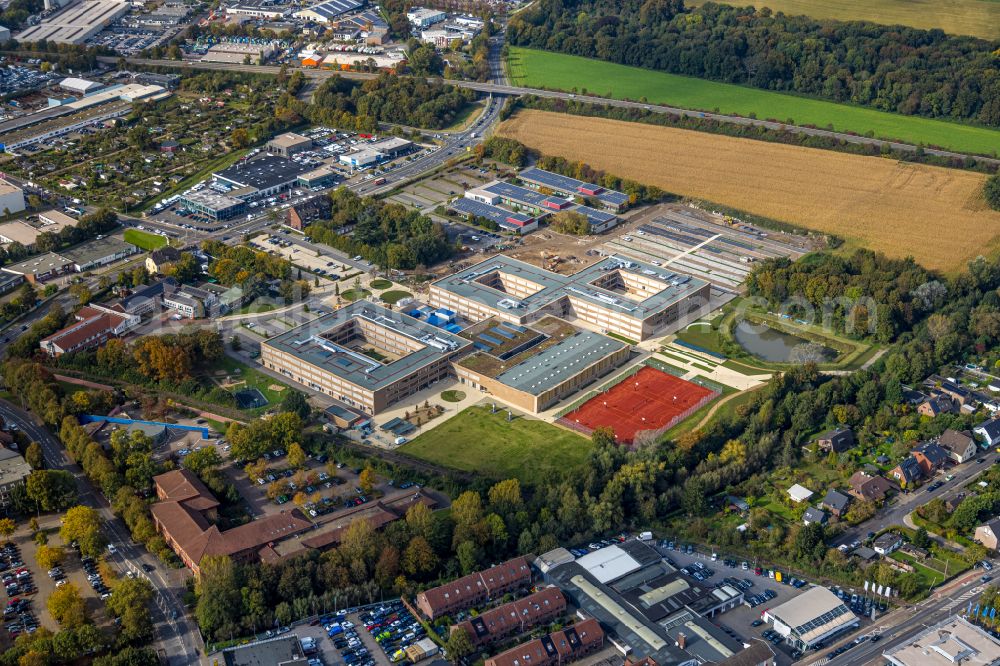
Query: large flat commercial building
point(326, 12)
point(647, 608)
point(11, 198)
point(54, 121)
point(364, 355)
point(954, 640)
point(214, 205)
point(814, 616)
point(77, 24)
point(566, 186)
point(615, 295)
point(262, 176)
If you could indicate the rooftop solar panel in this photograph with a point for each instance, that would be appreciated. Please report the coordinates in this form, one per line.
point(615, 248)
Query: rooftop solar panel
point(490, 339)
point(501, 333)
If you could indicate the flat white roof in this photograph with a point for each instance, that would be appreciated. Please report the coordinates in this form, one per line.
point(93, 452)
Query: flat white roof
point(608, 564)
point(952, 641)
point(800, 493)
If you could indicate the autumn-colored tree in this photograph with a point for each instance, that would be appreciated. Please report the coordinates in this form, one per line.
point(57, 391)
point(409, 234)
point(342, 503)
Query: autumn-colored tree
point(296, 456)
point(256, 469)
point(34, 456)
point(419, 557)
point(7, 527)
point(367, 480)
point(161, 361)
point(83, 525)
point(49, 556)
point(67, 607)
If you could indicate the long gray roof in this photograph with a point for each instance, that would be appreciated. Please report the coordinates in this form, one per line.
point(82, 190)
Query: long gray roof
point(555, 286)
point(306, 343)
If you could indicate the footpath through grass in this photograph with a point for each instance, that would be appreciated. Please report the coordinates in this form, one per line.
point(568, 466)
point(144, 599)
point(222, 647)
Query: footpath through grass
point(543, 69)
point(144, 240)
point(475, 440)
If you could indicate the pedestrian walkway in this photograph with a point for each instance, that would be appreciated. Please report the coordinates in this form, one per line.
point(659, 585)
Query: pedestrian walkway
point(697, 364)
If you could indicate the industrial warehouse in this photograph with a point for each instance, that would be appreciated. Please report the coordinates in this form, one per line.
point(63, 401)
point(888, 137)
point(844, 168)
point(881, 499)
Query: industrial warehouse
point(364, 355)
point(615, 295)
point(76, 24)
point(648, 608)
point(53, 121)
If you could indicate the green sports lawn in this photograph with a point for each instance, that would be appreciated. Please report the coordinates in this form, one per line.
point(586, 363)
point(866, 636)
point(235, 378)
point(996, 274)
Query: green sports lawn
point(144, 240)
point(475, 440)
point(543, 69)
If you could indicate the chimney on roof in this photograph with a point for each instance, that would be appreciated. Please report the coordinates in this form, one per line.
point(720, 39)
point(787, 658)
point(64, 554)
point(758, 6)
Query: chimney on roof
point(681, 640)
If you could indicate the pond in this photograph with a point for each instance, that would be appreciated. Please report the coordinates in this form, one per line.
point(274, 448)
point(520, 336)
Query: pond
point(777, 346)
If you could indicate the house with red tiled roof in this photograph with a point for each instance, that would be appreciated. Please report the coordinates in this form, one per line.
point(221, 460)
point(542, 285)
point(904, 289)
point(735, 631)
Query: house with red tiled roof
point(184, 517)
point(93, 326)
point(513, 618)
point(559, 647)
point(475, 588)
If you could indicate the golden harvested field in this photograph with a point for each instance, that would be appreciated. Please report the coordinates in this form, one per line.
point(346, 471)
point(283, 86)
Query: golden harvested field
point(936, 215)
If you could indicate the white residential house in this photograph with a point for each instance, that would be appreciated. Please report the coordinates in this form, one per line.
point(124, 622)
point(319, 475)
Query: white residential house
point(989, 431)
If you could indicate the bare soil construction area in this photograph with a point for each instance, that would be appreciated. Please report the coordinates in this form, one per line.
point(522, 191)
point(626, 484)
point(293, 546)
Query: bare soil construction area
point(934, 214)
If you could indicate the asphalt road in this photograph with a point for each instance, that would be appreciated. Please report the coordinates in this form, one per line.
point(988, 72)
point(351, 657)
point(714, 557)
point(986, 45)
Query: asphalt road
point(897, 627)
point(907, 502)
point(177, 637)
point(502, 89)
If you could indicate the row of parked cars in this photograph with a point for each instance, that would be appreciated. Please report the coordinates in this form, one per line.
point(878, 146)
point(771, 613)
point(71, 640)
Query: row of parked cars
point(755, 600)
point(345, 638)
point(94, 577)
point(394, 629)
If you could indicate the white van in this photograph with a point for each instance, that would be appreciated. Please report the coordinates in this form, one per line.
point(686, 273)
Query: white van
point(645, 536)
point(400, 440)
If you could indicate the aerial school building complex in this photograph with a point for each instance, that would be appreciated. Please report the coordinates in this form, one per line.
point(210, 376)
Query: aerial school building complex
point(522, 347)
point(615, 295)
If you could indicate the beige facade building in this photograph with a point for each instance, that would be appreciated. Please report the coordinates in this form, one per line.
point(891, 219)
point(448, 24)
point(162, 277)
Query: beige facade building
point(616, 295)
point(364, 355)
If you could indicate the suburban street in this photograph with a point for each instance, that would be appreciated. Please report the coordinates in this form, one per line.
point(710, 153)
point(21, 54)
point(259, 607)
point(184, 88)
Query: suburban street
point(905, 503)
point(177, 636)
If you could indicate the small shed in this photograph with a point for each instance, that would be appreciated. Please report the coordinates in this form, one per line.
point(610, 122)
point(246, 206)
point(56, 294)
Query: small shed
point(799, 493)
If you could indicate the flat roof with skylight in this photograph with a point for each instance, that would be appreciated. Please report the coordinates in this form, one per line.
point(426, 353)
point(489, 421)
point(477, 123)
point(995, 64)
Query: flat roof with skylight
point(623, 285)
point(346, 343)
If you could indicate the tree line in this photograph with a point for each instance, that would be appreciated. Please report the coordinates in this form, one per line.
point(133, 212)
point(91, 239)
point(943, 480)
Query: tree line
point(890, 68)
point(758, 132)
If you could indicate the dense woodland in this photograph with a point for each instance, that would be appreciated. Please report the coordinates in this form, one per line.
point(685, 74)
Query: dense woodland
point(391, 99)
point(386, 234)
point(892, 68)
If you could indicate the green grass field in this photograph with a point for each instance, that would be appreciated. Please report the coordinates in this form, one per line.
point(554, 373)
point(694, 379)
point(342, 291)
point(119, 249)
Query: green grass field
point(144, 240)
point(542, 69)
point(477, 441)
point(979, 18)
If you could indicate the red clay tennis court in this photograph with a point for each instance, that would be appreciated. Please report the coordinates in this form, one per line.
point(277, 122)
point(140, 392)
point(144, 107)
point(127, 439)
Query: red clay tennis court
point(649, 400)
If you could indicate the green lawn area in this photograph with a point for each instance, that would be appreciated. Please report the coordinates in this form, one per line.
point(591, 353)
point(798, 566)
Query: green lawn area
point(475, 440)
point(144, 240)
point(622, 338)
point(453, 395)
point(543, 69)
point(356, 294)
point(702, 335)
point(255, 308)
point(253, 378)
point(394, 296)
point(381, 284)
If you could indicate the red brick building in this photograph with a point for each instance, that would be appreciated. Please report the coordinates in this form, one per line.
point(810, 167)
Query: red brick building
point(515, 617)
point(475, 588)
point(559, 647)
